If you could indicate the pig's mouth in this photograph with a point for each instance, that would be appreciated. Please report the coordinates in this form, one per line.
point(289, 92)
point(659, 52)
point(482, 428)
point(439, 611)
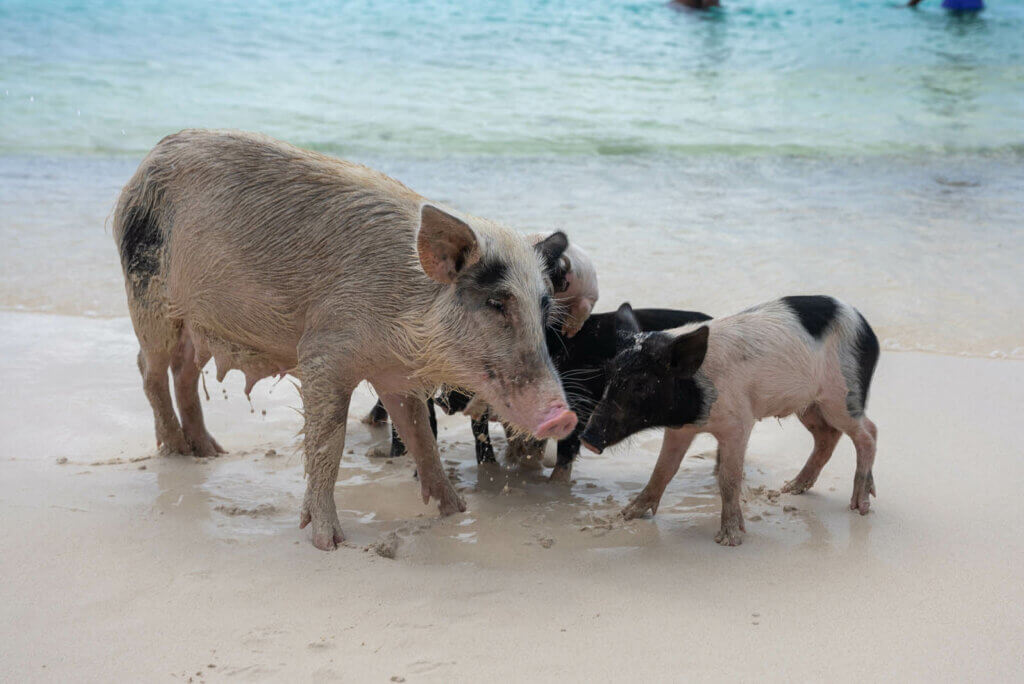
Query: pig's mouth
point(590, 446)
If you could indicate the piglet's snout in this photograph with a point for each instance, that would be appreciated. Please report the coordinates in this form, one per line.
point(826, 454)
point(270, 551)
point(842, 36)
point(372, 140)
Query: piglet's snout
point(557, 423)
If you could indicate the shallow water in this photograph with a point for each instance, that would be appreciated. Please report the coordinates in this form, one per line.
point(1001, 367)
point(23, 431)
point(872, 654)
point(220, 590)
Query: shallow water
point(440, 77)
point(707, 160)
point(929, 250)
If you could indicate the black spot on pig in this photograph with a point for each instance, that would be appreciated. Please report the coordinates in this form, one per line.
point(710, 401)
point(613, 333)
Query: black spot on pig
point(815, 312)
point(490, 273)
point(483, 283)
point(867, 359)
point(140, 247)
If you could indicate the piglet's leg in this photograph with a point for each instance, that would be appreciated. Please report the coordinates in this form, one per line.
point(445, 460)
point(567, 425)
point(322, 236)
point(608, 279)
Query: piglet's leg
point(732, 447)
point(482, 439)
point(410, 415)
point(863, 480)
point(378, 415)
point(673, 448)
point(826, 438)
point(568, 450)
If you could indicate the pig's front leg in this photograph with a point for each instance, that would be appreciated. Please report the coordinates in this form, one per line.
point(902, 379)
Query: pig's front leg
point(568, 450)
point(673, 448)
point(410, 415)
point(325, 406)
point(732, 447)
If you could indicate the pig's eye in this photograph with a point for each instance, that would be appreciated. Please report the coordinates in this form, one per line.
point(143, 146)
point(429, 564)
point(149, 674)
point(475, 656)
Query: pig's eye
point(496, 304)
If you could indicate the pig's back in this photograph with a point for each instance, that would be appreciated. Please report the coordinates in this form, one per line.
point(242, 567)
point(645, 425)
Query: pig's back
point(778, 357)
point(263, 235)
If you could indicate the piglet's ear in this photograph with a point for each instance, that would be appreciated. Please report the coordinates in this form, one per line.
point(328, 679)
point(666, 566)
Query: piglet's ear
point(686, 352)
point(551, 248)
point(625, 321)
point(446, 245)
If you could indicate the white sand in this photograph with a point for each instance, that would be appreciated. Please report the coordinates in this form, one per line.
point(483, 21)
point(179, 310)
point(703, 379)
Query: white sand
point(112, 572)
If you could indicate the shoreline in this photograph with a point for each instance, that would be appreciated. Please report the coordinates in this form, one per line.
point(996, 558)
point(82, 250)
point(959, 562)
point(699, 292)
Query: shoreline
point(166, 565)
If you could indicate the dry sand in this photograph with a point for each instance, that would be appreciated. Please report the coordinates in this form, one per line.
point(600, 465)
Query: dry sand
point(119, 564)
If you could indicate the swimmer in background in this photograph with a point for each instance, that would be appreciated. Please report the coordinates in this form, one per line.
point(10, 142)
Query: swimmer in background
point(956, 5)
point(701, 4)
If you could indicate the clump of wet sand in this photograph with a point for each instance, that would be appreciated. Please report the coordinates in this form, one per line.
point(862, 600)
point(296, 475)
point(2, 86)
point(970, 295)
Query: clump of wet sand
point(257, 511)
point(387, 545)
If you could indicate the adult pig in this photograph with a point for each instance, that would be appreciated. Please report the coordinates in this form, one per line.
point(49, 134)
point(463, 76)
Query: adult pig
point(273, 259)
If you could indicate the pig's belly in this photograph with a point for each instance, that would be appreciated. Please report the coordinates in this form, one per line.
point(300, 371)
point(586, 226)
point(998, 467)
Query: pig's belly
point(257, 353)
point(782, 405)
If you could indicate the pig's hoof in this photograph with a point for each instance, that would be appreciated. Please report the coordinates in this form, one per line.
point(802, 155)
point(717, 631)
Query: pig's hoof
point(860, 503)
point(327, 534)
point(531, 461)
point(729, 536)
point(448, 500)
point(379, 451)
point(796, 486)
point(639, 506)
point(173, 443)
point(561, 475)
point(863, 490)
point(206, 446)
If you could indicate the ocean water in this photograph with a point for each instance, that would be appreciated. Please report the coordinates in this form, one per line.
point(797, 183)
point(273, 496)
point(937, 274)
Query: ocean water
point(709, 160)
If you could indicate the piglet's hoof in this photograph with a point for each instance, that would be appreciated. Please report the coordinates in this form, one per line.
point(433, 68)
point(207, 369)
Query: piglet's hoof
point(448, 500)
point(862, 488)
point(730, 535)
point(327, 534)
point(561, 475)
point(640, 505)
point(796, 486)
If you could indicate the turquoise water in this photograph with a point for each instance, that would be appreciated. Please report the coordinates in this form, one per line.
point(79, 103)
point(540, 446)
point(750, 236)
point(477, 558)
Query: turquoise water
point(562, 77)
point(705, 160)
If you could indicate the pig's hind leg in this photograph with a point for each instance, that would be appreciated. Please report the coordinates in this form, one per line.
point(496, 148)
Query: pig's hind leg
point(153, 366)
point(826, 437)
point(186, 371)
point(411, 416)
point(865, 436)
point(865, 440)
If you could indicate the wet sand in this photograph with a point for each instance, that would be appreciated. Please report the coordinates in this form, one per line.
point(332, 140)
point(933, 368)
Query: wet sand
point(120, 563)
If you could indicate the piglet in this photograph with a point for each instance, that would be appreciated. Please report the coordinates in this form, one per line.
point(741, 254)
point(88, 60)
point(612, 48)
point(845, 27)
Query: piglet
point(809, 355)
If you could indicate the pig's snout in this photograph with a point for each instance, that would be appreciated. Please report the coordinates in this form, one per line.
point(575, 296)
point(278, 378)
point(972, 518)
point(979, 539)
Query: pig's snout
point(557, 423)
point(592, 438)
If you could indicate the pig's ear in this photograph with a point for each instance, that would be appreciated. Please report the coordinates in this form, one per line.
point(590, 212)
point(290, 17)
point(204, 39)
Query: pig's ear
point(446, 245)
point(686, 352)
point(626, 324)
point(551, 249)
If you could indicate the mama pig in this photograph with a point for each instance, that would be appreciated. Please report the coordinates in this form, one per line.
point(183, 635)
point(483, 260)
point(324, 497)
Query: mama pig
point(273, 259)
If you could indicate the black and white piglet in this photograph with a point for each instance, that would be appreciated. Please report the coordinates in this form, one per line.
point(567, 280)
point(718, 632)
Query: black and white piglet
point(811, 355)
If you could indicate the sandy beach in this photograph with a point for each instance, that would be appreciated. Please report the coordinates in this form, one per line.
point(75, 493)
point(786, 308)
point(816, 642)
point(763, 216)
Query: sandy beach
point(705, 160)
point(119, 563)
